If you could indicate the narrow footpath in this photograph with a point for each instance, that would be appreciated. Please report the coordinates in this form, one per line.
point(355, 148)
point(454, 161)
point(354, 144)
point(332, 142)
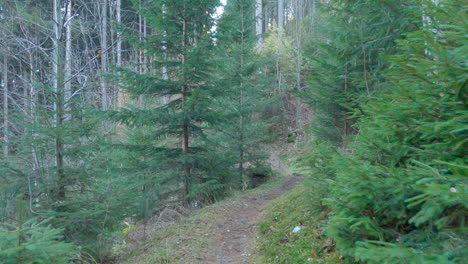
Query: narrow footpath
point(238, 224)
point(224, 233)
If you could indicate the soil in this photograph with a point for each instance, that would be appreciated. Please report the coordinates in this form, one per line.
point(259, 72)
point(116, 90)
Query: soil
point(236, 228)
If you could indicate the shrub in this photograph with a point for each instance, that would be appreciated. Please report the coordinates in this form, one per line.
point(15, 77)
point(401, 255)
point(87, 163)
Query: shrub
point(33, 242)
point(401, 196)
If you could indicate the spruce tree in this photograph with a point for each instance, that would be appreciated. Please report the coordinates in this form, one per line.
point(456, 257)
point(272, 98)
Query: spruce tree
point(346, 59)
point(400, 197)
point(54, 163)
point(180, 48)
point(33, 242)
point(243, 95)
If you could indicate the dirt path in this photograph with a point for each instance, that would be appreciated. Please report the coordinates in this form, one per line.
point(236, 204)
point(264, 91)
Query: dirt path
point(221, 234)
point(237, 226)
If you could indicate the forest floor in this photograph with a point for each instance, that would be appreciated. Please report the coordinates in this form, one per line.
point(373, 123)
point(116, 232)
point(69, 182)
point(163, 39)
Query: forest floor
point(222, 233)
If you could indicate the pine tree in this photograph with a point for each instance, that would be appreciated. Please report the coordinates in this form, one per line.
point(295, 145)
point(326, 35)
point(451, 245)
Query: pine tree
point(55, 162)
point(32, 241)
point(180, 48)
point(243, 96)
point(346, 59)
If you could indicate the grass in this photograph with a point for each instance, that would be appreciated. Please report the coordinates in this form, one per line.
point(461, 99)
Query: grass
point(277, 243)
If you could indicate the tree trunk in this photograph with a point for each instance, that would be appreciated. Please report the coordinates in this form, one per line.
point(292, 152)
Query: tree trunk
point(104, 98)
point(59, 76)
point(185, 133)
point(68, 53)
point(241, 105)
point(165, 75)
point(121, 94)
point(280, 14)
point(299, 31)
point(140, 38)
point(119, 35)
point(259, 20)
point(145, 58)
point(5, 105)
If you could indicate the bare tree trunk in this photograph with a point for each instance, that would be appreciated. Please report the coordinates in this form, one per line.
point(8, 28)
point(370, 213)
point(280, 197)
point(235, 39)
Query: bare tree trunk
point(32, 110)
point(241, 106)
point(145, 58)
point(299, 5)
point(68, 52)
point(140, 51)
point(165, 75)
point(140, 38)
point(55, 55)
point(346, 91)
point(5, 106)
point(165, 98)
point(32, 90)
point(112, 9)
point(280, 14)
point(119, 35)
point(121, 94)
point(104, 97)
point(427, 21)
point(59, 100)
point(259, 21)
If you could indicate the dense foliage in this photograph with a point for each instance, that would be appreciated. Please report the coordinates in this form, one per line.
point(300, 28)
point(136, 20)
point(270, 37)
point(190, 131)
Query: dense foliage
point(180, 120)
point(33, 242)
point(185, 130)
point(346, 59)
point(181, 50)
point(398, 193)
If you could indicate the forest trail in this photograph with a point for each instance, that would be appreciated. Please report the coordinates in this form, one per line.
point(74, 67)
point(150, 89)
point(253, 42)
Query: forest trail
point(236, 227)
point(222, 233)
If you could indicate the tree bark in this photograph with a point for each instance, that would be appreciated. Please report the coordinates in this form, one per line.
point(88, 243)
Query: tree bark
point(259, 21)
point(68, 53)
point(5, 106)
point(119, 35)
point(299, 31)
point(104, 97)
point(280, 14)
point(241, 106)
point(118, 17)
point(185, 132)
point(165, 75)
point(59, 76)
